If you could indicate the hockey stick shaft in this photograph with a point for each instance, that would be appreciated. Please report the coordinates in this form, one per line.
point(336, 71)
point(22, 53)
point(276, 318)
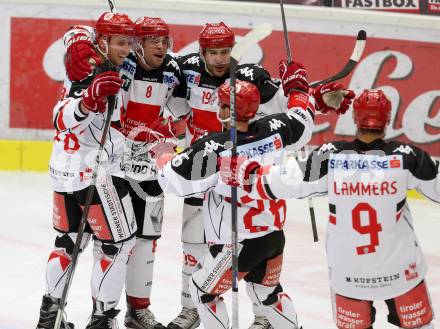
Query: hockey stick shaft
point(289, 60)
point(286, 35)
point(234, 223)
point(258, 33)
point(90, 193)
point(356, 55)
point(312, 219)
point(112, 6)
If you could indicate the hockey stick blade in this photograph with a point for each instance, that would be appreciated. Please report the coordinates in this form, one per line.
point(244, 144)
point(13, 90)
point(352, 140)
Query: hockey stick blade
point(257, 34)
point(356, 55)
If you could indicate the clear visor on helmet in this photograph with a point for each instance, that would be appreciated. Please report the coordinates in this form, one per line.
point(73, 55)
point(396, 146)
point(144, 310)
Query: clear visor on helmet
point(116, 44)
point(119, 42)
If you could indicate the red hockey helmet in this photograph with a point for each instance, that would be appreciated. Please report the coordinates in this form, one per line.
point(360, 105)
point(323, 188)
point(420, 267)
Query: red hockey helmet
point(372, 110)
point(216, 35)
point(247, 99)
point(151, 26)
point(114, 24)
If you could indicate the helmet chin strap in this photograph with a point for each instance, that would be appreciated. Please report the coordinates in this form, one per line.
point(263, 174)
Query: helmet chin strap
point(140, 54)
point(206, 66)
point(104, 52)
point(223, 120)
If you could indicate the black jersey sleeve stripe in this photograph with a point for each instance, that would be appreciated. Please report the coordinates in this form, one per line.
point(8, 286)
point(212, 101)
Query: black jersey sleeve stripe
point(400, 204)
point(267, 188)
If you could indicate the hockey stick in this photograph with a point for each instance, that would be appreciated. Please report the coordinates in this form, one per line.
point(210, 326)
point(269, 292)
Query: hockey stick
point(352, 62)
point(356, 55)
point(286, 36)
point(257, 34)
point(289, 60)
point(83, 222)
point(112, 6)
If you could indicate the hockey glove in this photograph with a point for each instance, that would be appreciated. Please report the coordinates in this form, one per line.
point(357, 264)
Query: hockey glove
point(332, 97)
point(81, 57)
point(162, 137)
point(293, 77)
point(162, 128)
point(103, 85)
point(237, 171)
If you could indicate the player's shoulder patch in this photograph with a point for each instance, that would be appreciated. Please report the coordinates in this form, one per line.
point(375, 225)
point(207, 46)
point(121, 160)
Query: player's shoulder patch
point(189, 62)
point(404, 149)
point(211, 143)
point(171, 64)
point(275, 124)
point(326, 148)
point(253, 73)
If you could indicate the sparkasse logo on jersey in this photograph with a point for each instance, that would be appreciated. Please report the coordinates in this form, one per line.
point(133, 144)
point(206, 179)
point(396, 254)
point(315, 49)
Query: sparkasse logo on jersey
point(259, 148)
point(382, 4)
point(364, 162)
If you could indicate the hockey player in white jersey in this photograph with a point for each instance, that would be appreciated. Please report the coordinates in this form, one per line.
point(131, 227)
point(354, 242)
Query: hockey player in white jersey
point(150, 76)
point(372, 250)
point(260, 223)
point(144, 100)
point(205, 72)
point(79, 120)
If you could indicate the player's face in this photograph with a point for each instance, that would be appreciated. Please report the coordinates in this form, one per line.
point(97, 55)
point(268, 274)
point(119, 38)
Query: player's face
point(155, 49)
point(225, 114)
point(217, 60)
point(119, 46)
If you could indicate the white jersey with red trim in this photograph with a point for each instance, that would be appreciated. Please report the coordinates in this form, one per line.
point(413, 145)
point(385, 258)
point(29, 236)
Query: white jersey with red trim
point(372, 250)
point(77, 139)
point(202, 105)
point(195, 171)
point(144, 99)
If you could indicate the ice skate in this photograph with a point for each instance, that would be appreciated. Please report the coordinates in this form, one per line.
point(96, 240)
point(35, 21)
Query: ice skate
point(104, 320)
point(188, 318)
point(141, 319)
point(48, 314)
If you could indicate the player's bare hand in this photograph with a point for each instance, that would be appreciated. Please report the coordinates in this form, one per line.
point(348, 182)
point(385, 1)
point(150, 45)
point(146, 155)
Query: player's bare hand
point(332, 97)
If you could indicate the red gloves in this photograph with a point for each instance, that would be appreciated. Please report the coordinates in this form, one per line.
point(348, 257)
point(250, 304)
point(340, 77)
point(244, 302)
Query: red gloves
point(80, 56)
point(332, 97)
point(293, 77)
point(103, 85)
point(237, 171)
point(162, 137)
point(162, 128)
